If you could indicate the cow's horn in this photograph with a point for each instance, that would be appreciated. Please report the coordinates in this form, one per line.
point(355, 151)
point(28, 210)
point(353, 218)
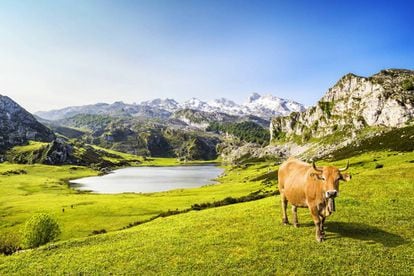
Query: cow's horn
point(316, 168)
point(344, 169)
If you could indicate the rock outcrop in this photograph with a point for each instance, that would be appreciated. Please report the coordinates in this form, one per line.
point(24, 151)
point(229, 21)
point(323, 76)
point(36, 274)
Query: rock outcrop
point(17, 126)
point(385, 99)
point(58, 153)
point(235, 152)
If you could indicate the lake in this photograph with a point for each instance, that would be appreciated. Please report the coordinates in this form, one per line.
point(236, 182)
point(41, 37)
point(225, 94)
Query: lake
point(149, 179)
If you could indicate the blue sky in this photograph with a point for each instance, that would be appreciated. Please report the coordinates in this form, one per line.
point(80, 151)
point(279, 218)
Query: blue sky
point(59, 53)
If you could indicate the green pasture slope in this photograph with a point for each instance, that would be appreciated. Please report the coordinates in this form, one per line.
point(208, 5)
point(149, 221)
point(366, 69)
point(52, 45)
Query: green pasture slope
point(370, 233)
point(30, 189)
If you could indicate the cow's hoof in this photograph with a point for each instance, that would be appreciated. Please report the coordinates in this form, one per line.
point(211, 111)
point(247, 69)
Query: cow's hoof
point(285, 222)
point(296, 225)
point(320, 239)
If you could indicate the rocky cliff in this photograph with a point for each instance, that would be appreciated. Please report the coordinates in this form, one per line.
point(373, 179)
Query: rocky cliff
point(385, 99)
point(17, 126)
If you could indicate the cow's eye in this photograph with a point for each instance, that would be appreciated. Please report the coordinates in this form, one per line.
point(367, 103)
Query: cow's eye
point(323, 178)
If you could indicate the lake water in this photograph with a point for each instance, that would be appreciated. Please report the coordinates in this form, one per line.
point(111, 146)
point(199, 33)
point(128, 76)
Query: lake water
point(149, 179)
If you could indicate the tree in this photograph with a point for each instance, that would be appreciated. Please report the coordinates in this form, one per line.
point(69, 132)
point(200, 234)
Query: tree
point(40, 229)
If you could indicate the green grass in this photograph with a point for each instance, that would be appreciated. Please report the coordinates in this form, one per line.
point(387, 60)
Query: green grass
point(370, 233)
point(28, 154)
point(121, 157)
point(397, 139)
point(44, 189)
point(30, 147)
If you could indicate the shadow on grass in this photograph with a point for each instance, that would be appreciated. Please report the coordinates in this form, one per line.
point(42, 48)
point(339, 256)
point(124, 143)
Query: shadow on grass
point(364, 232)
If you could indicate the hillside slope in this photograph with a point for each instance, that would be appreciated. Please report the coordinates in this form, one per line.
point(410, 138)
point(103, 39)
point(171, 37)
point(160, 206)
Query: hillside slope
point(17, 126)
point(370, 233)
point(145, 137)
point(60, 152)
point(385, 99)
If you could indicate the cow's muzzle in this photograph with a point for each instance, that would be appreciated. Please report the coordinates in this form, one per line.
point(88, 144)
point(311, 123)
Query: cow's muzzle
point(331, 194)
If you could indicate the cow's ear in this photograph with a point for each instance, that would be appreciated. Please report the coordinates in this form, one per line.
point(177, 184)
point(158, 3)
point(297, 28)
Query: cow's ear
point(316, 176)
point(346, 177)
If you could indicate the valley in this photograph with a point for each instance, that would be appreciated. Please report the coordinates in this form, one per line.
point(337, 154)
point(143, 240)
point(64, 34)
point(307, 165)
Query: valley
point(233, 226)
point(201, 138)
point(247, 237)
point(43, 188)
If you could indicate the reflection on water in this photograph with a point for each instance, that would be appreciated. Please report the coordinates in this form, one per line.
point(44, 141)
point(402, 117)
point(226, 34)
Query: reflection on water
point(149, 179)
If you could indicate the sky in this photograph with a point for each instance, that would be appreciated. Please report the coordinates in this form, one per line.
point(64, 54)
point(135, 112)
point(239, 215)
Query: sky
point(61, 53)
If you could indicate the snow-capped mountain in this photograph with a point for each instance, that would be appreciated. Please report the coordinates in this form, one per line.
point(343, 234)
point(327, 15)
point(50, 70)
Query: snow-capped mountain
point(265, 107)
point(269, 106)
point(170, 105)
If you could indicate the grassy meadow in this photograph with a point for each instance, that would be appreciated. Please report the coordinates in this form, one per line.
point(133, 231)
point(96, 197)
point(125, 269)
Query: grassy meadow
point(29, 189)
point(370, 233)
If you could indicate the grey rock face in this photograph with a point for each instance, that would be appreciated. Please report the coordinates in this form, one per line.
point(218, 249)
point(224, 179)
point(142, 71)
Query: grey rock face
point(353, 103)
point(58, 153)
point(17, 126)
point(236, 153)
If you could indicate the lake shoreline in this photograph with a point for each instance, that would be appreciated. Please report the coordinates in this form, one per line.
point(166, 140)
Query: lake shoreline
point(149, 179)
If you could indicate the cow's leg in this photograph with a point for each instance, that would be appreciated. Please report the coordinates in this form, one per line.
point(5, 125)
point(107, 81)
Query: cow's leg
point(284, 206)
point(322, 218)
point(322, 225)
point(295, 215)
point(317, 221)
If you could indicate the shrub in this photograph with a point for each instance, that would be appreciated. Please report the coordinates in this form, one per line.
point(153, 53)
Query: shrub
point(326, 107)
point(9, 243)
point(246, 131)
point(408, 84)
point(40, 229)
point(97, 232)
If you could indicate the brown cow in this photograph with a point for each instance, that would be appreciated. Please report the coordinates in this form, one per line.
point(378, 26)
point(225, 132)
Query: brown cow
point(305, 185)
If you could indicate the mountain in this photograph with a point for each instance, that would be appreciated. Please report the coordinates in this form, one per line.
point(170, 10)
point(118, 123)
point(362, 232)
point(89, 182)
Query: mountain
point(114, 109)
point(358, 114)
point(17, 126)
point(202, 119)
point(166, 104)
point(264, 107)
point(269, 106)
point(354, 103)
point(141, 136)
point(355, 109)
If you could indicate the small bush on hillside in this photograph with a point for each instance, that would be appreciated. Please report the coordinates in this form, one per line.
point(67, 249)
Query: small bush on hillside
point(40, 229)
point(9, 243)
point(97, 232)
point(408, 84)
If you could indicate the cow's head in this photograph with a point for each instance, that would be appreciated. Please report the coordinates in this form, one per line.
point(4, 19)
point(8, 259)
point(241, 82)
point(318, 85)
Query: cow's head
point(330, 177)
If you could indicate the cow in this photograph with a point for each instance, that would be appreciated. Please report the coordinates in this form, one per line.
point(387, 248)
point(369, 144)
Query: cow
point(308, 186)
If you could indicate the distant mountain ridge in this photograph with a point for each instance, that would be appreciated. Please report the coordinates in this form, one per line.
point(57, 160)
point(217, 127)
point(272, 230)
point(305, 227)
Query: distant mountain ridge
point(355, 111)
point(265, 107)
